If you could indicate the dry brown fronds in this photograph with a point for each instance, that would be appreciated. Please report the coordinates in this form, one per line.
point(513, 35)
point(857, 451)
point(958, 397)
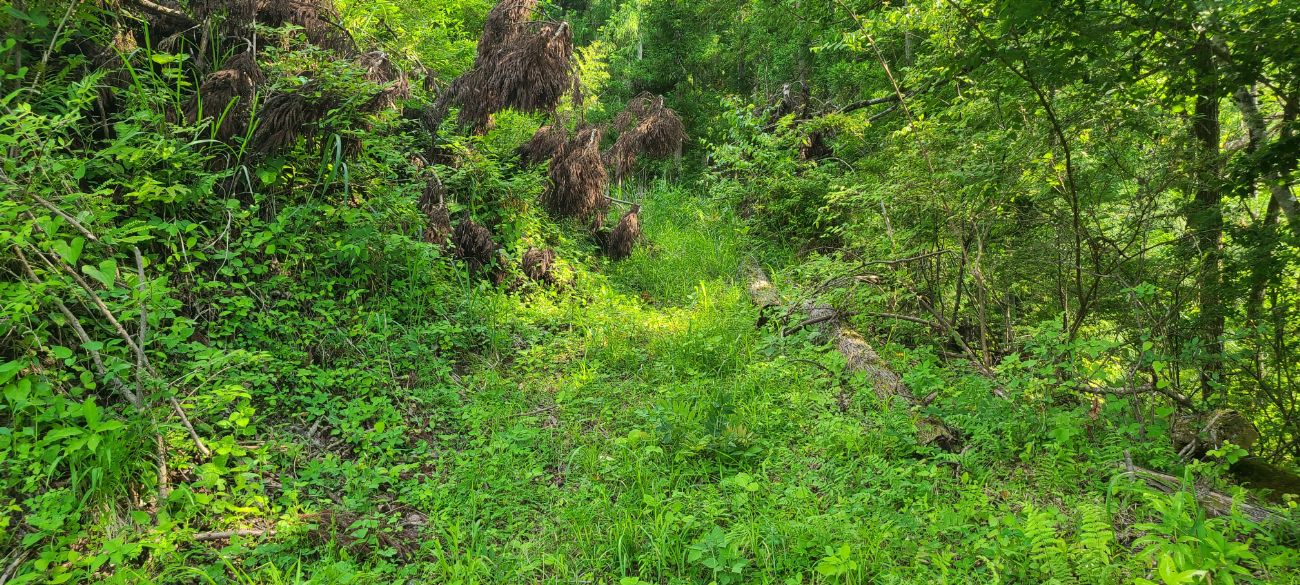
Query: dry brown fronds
point(429, 81)
point(537, 265)
point(434, 195)
point(473, 244)
point(226, 96)
point(532, 74)
point(521, 64)
point(111, 59)
point(577, 98)
point(434, 207)
point(318, 19)
point(621, 158)
point(600, 236)
point(286, 116)
point(471, 92)
point(235, 16)
point(625, 235)
point(503, 23)
point(815, 147)
point(635, 109)
point(379, 69)
point(427, 116)
point(439, 226)
point(246, 63)
point(547, 141)
point(661, 135)
point(646, 127)
point(578, 178)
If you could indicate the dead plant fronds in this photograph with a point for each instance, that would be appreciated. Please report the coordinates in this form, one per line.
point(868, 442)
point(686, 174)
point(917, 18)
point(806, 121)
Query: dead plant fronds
point(470, 92)
point(533, 73)
point(503, 23)
point(474, 245)
point(647, 127)
point(317, 18)
point(434, 207)
point(621, 158)
point(234, 16)
point(546, 141)
point(226, 96)
point(438, 228)
point(379, 69)
point(286, 116)
point(578, 177)
point(636, 109)
point(625, 235)
point(537, 265)
point(521, 64)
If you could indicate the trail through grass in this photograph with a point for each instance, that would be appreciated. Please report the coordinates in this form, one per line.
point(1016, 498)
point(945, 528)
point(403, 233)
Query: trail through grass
point(646, 429)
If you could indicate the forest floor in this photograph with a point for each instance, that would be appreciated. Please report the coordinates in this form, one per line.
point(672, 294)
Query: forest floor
point(647, 429)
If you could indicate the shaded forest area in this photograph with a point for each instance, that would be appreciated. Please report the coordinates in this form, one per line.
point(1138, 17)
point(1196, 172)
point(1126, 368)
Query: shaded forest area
point(649, 291)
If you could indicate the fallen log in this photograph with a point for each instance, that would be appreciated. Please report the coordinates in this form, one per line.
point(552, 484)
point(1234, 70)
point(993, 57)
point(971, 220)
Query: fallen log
point(1195, 434)
point(1257, 474)
point(859, 357)
point(1214, 503)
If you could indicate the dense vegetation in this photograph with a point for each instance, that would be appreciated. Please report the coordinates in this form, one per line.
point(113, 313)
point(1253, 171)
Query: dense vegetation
point(649, 291)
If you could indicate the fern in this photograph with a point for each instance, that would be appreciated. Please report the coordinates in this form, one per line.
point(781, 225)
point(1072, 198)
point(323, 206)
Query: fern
point(1048, 552)
point(1093, 545)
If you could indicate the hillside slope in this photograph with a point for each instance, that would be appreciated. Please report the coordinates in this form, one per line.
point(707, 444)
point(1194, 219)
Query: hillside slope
point(318, 292)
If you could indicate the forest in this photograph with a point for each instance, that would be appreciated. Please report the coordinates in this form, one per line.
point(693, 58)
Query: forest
point(637, 292)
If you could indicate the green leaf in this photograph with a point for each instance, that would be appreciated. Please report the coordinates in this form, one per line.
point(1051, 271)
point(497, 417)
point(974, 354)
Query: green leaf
point(9, 369)
point(70, 252)
point(60, 352)
point(62, 433)
point(18, 393)
point(90, 411)
point(105, 273)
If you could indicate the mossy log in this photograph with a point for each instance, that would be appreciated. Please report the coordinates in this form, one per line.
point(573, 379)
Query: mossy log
point(1213, 503)
point(1273, 480)
point(859, 357)
point(1195, 434)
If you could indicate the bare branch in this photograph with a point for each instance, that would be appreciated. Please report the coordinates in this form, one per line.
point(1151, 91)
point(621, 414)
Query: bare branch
point(75, 323)
point(1136, 390)
point(225, 534)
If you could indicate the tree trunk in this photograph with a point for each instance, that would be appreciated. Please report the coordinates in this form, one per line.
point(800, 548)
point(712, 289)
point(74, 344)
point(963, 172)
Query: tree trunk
point(1282, 196)
point(1205, 215)
point(1262, 265)
point(1214, 503)
point(859, 357)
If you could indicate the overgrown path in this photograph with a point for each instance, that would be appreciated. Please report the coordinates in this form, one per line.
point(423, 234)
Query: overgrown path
point(647, 428)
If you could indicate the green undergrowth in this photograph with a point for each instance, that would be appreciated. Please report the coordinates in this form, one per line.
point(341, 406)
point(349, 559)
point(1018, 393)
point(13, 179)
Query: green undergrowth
point(372, 412)
point(635, 427)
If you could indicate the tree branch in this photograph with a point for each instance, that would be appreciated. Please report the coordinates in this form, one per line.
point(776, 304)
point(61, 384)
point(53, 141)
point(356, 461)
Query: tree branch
point(225, 534)
point(1136, 390)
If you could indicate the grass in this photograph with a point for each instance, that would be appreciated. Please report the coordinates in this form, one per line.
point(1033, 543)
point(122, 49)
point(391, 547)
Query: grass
point(634, 426)
point(641, 429)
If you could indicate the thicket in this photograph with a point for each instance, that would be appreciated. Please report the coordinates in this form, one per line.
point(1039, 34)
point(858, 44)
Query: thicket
point(1118, 177)
point(304, 291)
